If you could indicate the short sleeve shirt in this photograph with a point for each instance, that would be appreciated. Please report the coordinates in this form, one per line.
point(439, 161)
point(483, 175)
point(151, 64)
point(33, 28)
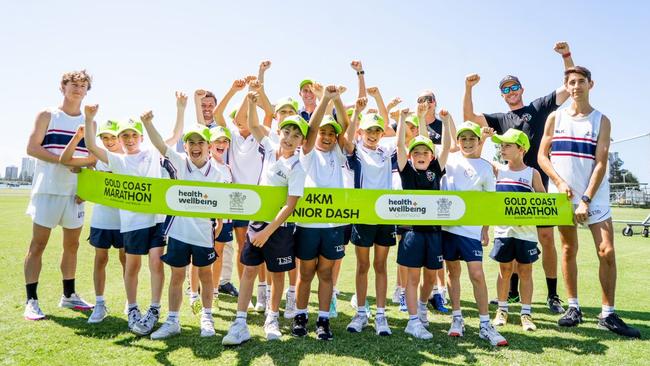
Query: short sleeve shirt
point(428, 179)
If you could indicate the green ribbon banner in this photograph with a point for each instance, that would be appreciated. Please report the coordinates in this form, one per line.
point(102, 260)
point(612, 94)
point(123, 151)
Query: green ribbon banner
point(323, 205)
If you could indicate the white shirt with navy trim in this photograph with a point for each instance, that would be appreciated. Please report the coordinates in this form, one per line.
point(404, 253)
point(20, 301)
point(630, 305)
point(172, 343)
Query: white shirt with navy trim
point(104, 217)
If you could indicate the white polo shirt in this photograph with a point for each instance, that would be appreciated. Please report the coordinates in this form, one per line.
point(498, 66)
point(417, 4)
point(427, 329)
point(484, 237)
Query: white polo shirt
point(245, 157)
point(104, 217)
point(281, 172)
point(373, 168)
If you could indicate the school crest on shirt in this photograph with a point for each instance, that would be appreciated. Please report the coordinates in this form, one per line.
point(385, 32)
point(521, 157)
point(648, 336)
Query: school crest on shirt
point(237, 201)
point(429, 175)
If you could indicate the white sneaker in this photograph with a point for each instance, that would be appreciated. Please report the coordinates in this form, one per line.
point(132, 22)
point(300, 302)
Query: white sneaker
point(417, 330)
point(396, 295)
point(168, 329)
point(272, 328)
point(358, 323)
point(134, 317)
point(207, 325)
point(147, 323)
point(490, 333)
point(457, 328)
point(423, 316)
point(74, 302)
point(100, 312)
point(290, 305)
point(381, 326)
point(237, 334)
point(444, 296)
point(33, 311)
point(260, 306)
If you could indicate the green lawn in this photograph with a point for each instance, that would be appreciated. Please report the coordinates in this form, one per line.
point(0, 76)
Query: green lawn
point(65, 338)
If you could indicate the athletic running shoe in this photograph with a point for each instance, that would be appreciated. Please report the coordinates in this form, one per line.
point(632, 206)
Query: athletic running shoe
point(207, 325)
point(437, 303)
point(100, 312)
point(299, 325)
point(33, 311)
point(358, 323)
point(166, 330)
point(555, 304)
point(74, 302)
point(228, 289)
point(489, 333)
point(527, 323)
point(290, 305)
point(147, 323)
point(402, 302)
point(396, 296)
point(333, 312)
point(417, 330)
point(237, 334)
point(615, 324)
point(353, 303)
point(500, 318)
point(423, 316)
point(381, 326)
point(571, 318)
point(457, 328)
point(260, 306)
point(195, 305)
point(323, 331)
point(134, 317)
point(272, 328)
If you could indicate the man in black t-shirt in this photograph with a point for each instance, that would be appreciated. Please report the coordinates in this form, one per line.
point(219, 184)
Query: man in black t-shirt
point(434, 124)
point(529, 119)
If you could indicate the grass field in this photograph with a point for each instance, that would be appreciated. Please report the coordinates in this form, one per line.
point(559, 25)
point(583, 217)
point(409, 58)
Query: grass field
point(65, 337)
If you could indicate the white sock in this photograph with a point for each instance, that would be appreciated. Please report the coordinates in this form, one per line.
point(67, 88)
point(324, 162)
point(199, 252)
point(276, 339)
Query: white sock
point(133, 306)
point(573, 302)
point(606, 311)
point(207, 311)
point(323, 314)
point(173, 316)
point(302, 311)
point(484, 318)
point(272, 314)
point(526, 309)
point(413, 318)
point(503, 305)
point(241, 316)
point(442, 290)
point(292, 288)
point(194, 295)
point(457, 313)
point(155, 305)
point(381, 311)
point(422, 306)
point(99, 299)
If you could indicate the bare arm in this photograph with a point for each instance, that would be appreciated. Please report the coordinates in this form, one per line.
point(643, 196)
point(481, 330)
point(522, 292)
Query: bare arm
point(199, 94)
point(468, 104)
point(538, 185)
point(383, 111)
point(260, 238)
point(177, 132)
point(317, 117)
point(154, 136)
point(354, 124)
point(343, 120)
point(237, 85)
point(356, 66)
point(402, 153)
point(34, 148)
point(561, 94)
point(602, 155)
point(67, 157)
point(258, 131)
point(543, 157)
point(89, 133)
point(444, 152)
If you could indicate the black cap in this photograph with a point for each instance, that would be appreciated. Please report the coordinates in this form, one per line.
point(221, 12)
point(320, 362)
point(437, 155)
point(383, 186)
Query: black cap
point(508, 78)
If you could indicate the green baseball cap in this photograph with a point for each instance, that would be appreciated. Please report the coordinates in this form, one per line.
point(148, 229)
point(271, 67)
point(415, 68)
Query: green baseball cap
point(131, 124)
point(109, 127)
point(350, 112)
point(296, 121)
point(218, 132)
point(413, 119)
point(469, 126)
point(513, 136)
point(200, 130)
point(329, 120)
point(421, 140)
point(305, 82)
point(370, 120)
point(287, 101)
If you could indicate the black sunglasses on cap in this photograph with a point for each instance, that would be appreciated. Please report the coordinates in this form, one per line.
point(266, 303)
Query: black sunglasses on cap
point(426, 98)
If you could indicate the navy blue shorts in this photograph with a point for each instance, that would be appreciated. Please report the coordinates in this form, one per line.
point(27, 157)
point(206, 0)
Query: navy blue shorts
point(240, 223)
point(225, 235)
point(277, 252)
point(179, 254)
point(105, 239)
point(168, 221)
point(313, 242)
point(347, 234)
point(455, 247)
point(507, 250)
point(420, 249)
point(139, 242)
point(367, 235)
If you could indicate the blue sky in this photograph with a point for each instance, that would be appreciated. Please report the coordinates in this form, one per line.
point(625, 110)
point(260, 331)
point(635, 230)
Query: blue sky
point(141, 52)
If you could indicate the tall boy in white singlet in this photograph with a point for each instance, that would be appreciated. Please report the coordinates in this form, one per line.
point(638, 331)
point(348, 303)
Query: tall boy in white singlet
point(577, 140)
point(53, 194)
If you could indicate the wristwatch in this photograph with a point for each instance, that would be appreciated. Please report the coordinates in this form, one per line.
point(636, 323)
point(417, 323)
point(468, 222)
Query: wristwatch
point(585, 199)
point(361, 72)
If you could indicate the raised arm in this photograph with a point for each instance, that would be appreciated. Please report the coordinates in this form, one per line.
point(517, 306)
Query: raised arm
point(177, 132)
point(561, 94)
point(34, 148)
point(154, 136)
point(354, 124)
point(402, 153)
point(199, 94)
point(383, 111)
point(423, 108)
point(545, 162)
point(342, 119)
point(468, 104)
point(67, 156)
point(237, 85)
point(254, 126)
point(90, 111)
point(264, 100)
point(316, 118)
point(447, 121)
point(356, 66)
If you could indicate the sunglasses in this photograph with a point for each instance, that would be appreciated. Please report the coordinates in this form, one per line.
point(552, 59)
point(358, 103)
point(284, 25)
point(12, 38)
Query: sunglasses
point(508, 89)
point(426, 98)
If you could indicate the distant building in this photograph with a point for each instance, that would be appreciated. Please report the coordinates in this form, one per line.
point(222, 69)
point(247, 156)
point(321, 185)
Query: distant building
point(27, 169)
point(11, 172)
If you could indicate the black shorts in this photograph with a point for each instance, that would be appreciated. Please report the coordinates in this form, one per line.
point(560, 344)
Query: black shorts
point(225, 235)
point(506, 250)
point(367, 235)
point(240, 223)
point(179, 254)
point(347, 234)
point(455, 247)
point(420, 249)
point(277, 252)
point(138, 242)
point(105, 239)
point(313, 242)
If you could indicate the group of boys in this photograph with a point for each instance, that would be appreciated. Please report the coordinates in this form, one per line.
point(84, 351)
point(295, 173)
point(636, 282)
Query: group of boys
point(327, 144)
